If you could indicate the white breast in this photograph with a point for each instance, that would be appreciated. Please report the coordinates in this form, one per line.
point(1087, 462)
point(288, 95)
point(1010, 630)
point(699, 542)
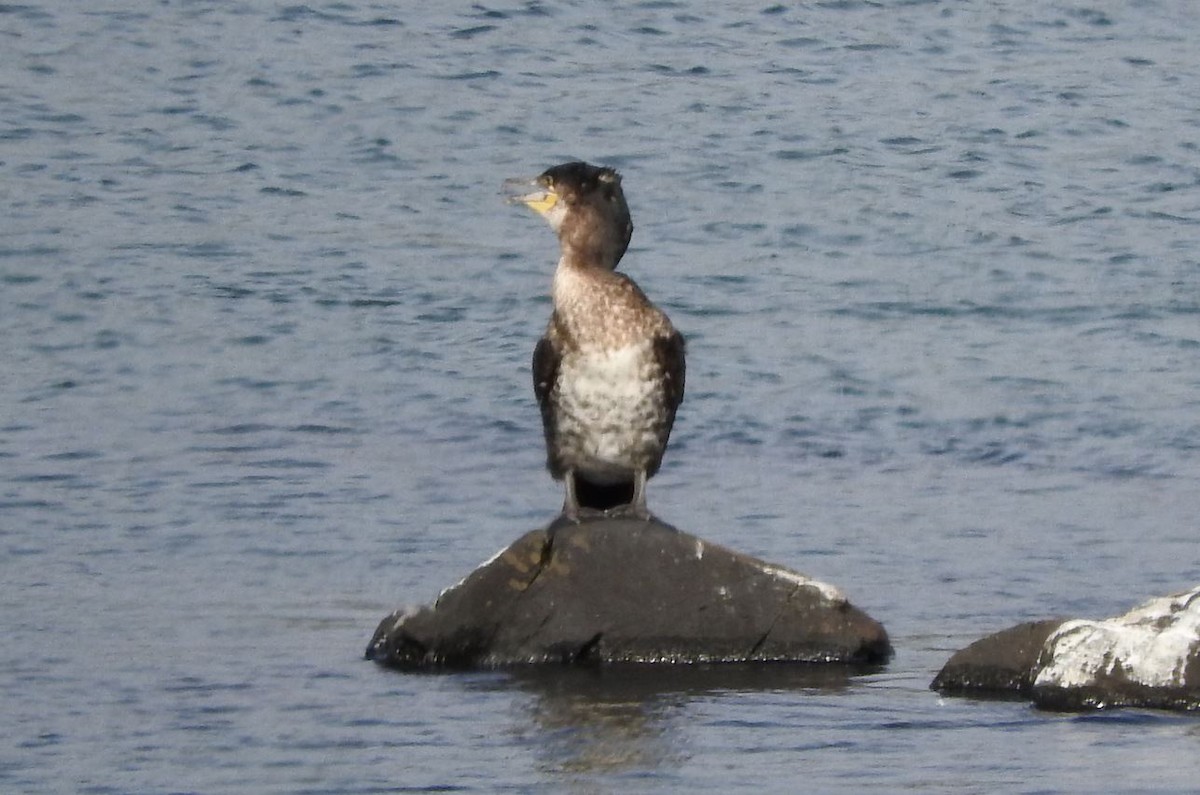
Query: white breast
point(609, 411)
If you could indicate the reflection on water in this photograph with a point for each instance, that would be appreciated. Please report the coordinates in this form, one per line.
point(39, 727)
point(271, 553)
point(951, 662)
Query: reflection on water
point(574, 732)
point(624, 718)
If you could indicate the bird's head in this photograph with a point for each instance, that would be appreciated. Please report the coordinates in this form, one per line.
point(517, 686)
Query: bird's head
point(585, 206)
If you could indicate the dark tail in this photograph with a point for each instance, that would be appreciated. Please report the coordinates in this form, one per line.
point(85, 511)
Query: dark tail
point(602, 498)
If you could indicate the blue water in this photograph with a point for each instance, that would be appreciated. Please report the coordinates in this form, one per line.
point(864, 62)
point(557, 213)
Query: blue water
point(266, 328)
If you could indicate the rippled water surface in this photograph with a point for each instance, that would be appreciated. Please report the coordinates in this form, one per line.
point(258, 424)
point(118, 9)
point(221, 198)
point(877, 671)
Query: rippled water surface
point(266, 327)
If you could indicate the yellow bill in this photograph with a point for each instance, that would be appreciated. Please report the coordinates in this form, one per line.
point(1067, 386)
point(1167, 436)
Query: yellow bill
point(541, 200)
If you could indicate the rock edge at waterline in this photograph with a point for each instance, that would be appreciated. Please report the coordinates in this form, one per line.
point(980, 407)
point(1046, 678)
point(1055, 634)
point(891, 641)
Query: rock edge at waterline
point(1148, 657)
point(620, 590)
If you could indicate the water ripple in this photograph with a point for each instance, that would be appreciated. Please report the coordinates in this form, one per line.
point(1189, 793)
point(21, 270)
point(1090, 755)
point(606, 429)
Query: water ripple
point(267, 331)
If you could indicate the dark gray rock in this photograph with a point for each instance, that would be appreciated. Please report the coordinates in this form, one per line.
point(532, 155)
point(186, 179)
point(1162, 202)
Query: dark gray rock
point(612, 590)
point(1001, 665)
point(1148, 657)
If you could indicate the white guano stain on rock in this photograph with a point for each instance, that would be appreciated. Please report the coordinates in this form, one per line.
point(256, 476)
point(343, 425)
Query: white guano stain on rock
point(402, 615)
point(459, 584)
point(828, 592)
point(1149, 645)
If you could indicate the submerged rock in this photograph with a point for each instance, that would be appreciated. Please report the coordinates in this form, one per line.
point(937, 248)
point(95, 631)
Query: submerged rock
point(610, 590)
point(1000, 665)
point(1148, 657)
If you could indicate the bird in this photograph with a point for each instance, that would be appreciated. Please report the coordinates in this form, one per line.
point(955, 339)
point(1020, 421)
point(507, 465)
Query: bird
point(609, 371)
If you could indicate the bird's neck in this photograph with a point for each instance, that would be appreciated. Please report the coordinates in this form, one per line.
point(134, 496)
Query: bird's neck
point(576, 282)
point(571, 273)
point(586, 260)
point(588, 251)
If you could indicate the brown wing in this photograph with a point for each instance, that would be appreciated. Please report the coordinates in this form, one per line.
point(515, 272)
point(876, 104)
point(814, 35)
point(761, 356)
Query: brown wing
point(669, 351)
point(546, 359)
point(545, 371)
point(670, 354)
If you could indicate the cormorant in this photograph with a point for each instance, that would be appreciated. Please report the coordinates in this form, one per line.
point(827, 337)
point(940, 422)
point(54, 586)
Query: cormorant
point(609, 371)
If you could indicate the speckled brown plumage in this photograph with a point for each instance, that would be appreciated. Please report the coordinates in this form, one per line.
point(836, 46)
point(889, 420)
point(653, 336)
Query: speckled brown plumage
point(609, 372)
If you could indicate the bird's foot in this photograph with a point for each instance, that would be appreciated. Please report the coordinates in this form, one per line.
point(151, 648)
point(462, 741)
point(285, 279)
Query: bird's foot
point(630, 511)
point(579, 516)
point(568, 517)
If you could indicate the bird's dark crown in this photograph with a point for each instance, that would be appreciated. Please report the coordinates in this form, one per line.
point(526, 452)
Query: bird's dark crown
point(579, 179)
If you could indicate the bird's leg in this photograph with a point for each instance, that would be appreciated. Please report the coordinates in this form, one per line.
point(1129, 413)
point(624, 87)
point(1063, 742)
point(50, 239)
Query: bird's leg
point(570, 510)
point(637, 505)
